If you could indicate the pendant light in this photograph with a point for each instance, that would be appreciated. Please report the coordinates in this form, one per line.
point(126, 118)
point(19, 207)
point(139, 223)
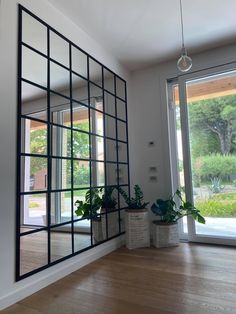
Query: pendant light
point(184, 63)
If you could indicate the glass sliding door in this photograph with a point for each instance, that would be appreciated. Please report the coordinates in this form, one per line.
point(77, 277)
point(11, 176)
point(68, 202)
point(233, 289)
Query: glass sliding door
point(205, 113)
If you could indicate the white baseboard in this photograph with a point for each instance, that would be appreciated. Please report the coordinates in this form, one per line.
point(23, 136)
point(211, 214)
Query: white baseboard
point(59, 271)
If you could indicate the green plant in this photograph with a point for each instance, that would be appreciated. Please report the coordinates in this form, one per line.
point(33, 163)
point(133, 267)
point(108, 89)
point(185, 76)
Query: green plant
point(216, 186)
point(89, 208)
point(135, 202)
point(107, 200)
point(170, 212)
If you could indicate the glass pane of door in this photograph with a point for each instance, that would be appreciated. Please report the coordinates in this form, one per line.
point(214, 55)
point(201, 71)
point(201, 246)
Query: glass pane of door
point(211, 107)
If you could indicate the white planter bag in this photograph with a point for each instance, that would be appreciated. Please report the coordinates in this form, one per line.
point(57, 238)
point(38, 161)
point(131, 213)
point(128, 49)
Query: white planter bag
point(112, 224)
point(97, 231)
point(137, 228)
point(165, 235)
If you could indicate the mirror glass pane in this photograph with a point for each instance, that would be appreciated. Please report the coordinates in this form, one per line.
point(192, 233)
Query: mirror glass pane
point(59, 49)
point(82, 234)
point(111, 153)
point(59, 79)
point(109, 81)
point(95, 72)
point(81, 145)
point(60, 141)
point(34, 137)
point(35, 174)
point(79, 62)
point(60, 110)
point(120, 88)
point(60, 207)
point(97, 122)
point(33, 251)
point(34, 33)
point(98, 177)
point(79, 89)
point(97, 143)
point(122, 152)
point(123, 174)
point(34, 67)
point(33, 101)
point(80, 117)
point(81, 174)
point(96, 97)
point(61, 174)
point(121, 131)
point(110, 106)
point(34, 209)
point(61, 242)
point(121, 109)
point(110, 127)
point(111, 172)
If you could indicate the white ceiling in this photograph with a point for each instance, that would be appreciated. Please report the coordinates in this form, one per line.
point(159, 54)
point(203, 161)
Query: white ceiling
point(143, 32)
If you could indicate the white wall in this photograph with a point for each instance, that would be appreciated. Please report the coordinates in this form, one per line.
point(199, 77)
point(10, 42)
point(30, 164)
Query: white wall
point(9, 290)
point(148, 120)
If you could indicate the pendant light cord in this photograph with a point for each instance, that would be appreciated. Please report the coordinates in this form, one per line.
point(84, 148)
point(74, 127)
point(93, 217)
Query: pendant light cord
point(182, 23)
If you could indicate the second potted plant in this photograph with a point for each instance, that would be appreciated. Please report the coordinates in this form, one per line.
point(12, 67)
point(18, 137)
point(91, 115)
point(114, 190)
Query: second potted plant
point(137, 224)
point(165, 230)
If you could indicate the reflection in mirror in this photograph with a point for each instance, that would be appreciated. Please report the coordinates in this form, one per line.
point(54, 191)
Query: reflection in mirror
point(35, 174)
point(61, 174)
point(82, 234)
point(97, 150)
point(60, 141)
point(79, 62)
point(98, 229)
point(34, 137)
point(81, 145)
point(80, 117)
point(122, 201)
point(96, 97)
point(98, 178)
point(60, 110)
point(34, 33)
point(81, 174)
point(121, 110)
point(109, 81)
point(113, 223)
point(120, 88)
point(111, 153)
point(59, 79)
point(60, 207)
point(79, 195)
point(95, 72)
point(61, 242)
point(33, 101)
point(33, 251)
point(110, 106)
point(123, 174)
point(96, 122)
point(79, 89)
point(121, 131)
point(122, 152)
point(34, 67)
point(111, 172)
point(122, 220)
point(110, 127)
point(33, 210)
point(59, 49)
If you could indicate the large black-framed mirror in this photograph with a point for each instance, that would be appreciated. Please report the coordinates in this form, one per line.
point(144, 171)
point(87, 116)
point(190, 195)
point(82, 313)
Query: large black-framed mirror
point(72, 139)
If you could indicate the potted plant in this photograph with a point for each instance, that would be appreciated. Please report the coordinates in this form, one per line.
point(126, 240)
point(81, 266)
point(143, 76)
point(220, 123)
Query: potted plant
point(89, 209)
point(165, 231)
point(136, 219)
point(108, 206)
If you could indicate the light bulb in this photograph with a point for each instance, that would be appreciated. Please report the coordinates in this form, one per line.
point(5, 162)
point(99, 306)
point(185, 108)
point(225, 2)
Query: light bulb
point(184, 63)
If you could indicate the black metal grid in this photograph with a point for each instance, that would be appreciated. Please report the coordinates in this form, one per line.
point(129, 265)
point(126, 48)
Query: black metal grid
point(86, 103)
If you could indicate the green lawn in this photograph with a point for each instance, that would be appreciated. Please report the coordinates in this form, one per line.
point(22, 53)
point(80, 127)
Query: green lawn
point(218, 205)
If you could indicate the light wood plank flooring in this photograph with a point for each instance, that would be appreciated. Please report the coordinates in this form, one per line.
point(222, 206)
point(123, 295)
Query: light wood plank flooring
point(189, 279)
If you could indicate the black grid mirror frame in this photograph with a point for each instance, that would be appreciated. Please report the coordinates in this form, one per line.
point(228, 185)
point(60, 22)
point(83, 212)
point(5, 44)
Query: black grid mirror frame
point(99, 100)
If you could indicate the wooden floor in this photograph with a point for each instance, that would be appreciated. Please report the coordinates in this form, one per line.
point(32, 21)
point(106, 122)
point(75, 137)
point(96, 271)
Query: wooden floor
point(189, 279)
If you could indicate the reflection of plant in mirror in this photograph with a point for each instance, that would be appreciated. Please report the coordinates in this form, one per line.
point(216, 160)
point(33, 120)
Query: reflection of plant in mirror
point(135, 202)
point(89, 208)
point(107, 200)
